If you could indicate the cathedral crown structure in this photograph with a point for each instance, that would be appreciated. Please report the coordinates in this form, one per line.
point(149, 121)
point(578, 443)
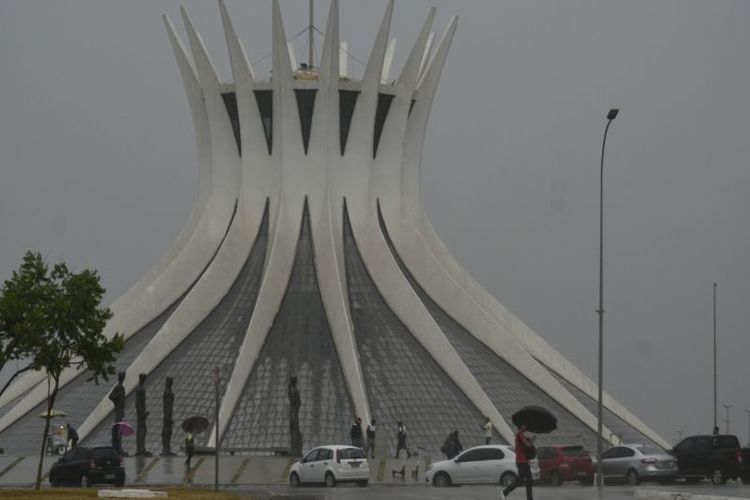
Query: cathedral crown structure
point(308, 254)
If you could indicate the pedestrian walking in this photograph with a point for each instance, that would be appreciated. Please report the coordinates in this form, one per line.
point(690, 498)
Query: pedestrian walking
point(401, 440)
point(72, 436)
point(356, 432)
point(525, 451)
point(452, 445)
point(371, 439)
point(488, 432)
point(189, 447)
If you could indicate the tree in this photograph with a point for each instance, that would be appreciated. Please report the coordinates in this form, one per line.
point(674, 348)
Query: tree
point(52, 318)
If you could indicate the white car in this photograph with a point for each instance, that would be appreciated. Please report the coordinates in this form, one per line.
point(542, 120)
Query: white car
point(329, 465)
point(489, 464)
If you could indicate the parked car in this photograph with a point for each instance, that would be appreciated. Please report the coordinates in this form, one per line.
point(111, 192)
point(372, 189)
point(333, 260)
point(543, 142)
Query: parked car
point(87, 466)
point(565, 463)
point(637, 462)
point(486, 464)
point(717, 457)
point(329, 465)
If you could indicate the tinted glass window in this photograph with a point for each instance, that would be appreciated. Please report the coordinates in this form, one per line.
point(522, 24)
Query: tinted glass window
point(493, 454)
point(574, 451)
point(312, 456)
point(649, 450)
point(108, 453)
point(610, 453)
point(325, 454)
point(703, 443)
point(352, 453)
point(726, 442)
point(471, 456)
point(545, 452)
point(626, 452)
point(686, 445)
point(81, 454)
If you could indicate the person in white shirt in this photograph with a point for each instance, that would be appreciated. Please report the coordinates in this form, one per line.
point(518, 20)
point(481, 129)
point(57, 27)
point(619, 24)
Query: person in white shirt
point(488, 432)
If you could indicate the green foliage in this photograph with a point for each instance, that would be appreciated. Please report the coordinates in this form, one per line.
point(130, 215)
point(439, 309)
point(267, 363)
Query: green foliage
point(52, 319)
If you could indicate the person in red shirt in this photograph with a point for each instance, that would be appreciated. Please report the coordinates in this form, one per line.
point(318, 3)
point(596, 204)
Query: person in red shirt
point(524, 442)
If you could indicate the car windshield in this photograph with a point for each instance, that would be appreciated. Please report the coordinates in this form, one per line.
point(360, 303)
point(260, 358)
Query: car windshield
point(649, 450)
point(348, 453)
point(106, 453)
point(574, 451)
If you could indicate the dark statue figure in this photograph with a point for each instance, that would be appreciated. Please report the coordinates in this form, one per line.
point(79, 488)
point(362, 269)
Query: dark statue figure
point(166, 430)
point(117, 396)
point(294, 403)
point(141, 415)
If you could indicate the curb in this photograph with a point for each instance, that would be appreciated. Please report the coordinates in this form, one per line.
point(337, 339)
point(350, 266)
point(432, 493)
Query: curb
point(678, 495)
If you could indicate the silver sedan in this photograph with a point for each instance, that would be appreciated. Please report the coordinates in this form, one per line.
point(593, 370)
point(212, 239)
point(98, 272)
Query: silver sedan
point(636, 462)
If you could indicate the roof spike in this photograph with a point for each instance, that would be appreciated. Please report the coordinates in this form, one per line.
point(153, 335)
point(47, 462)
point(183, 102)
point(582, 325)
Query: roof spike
point(387, 61)
point(429, 80)
point(184, 62)
point(427, 52)
point(413, 64)
point(282, 65)
point(242, 70)
point(206, 70)
point(374, 68)
point(329, 59)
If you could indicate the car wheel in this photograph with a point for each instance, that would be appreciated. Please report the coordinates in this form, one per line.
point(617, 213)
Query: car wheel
point(507, 479)
point(84, 482)
point(632, 478)
point(362, 484)
point(330, 480)
point(555, 479)
point(294, 480)
point(441, 480)
point(717, 475)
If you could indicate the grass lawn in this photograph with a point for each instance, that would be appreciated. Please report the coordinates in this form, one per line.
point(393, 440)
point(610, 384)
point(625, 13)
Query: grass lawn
point(76, 493)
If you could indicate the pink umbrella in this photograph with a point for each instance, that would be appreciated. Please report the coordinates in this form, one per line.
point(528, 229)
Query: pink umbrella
point(124, 428)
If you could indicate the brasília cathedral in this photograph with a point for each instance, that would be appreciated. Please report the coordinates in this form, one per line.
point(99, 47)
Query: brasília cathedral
point(308, 254)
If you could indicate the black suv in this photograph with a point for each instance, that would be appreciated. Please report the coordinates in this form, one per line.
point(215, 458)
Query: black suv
point(718, 457)
point(86, 466)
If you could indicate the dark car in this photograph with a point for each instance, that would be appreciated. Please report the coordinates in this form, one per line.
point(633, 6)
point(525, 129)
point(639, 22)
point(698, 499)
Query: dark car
point(716, 456)
point(565, 463)
point(86, 466)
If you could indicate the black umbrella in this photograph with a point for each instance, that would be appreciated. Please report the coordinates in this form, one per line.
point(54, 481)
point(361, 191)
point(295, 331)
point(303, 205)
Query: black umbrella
point(536, 418)
point(195, 424)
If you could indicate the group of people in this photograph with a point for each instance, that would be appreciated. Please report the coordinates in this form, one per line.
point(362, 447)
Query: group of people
point(355, 435)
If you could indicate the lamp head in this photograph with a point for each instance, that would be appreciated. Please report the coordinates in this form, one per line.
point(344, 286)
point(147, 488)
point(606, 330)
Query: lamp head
point(612, 114)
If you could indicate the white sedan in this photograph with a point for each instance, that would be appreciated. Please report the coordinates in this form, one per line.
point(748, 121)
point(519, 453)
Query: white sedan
point(329, 465)
point(489, 464)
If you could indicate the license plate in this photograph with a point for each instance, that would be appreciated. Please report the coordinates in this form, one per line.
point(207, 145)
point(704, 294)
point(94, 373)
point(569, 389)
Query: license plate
point(580, 473)
point(109, 476)
point(355, 465)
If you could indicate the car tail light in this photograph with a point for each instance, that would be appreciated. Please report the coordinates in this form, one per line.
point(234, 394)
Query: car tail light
point(122, 462)
point(739, 456)
point(338, 456)
point(650, 460)
point(92, 464)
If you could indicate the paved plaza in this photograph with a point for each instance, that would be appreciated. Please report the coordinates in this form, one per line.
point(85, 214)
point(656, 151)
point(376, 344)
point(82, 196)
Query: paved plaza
point(265, 478)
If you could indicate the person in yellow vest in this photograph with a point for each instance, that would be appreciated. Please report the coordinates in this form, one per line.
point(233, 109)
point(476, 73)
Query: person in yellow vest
point(189, 447)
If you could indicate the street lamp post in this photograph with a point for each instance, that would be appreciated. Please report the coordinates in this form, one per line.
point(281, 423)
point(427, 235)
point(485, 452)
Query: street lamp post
point(611, 115)
point(727, 407)
point(748, 427)
point(716, 425)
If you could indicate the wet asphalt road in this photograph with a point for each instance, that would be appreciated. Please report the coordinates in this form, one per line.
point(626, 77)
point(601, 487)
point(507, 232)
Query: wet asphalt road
point(566, 492)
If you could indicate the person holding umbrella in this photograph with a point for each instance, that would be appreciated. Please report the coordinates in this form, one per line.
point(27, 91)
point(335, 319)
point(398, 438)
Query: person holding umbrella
point(528, 419)
point(192, 425)
point(524, 448)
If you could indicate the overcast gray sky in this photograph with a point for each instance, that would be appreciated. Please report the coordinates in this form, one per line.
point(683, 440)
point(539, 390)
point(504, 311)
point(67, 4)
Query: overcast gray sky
point(98, 166)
